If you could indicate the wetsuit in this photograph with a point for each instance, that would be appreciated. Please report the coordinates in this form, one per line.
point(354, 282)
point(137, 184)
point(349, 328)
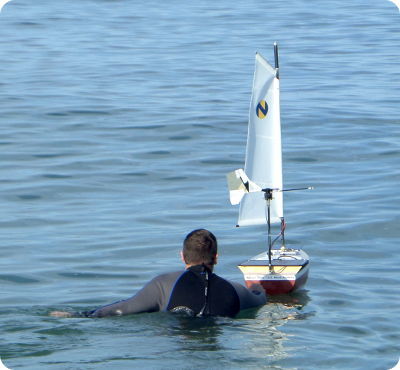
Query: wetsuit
point(196, 291)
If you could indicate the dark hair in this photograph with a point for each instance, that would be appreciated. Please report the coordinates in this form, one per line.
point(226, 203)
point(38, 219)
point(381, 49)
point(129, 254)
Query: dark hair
point(200, 247)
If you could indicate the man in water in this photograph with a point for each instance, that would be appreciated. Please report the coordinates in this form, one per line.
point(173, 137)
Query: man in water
point(196, 291)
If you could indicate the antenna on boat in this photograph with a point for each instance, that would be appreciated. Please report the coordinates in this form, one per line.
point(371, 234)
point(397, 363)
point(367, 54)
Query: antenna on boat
point(276, 54)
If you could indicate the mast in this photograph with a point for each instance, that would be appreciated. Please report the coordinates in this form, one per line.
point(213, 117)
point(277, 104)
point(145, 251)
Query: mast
point(268, 193)
point(268, 197)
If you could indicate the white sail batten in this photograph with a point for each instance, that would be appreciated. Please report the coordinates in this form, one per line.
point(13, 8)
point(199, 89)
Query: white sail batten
point(263, 163)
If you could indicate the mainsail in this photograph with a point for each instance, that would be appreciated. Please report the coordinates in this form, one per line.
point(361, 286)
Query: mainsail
point(263, 164)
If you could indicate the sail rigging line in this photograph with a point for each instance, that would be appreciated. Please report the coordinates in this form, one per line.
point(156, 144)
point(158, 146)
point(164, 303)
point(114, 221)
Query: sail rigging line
point(281, 235)
point(283, 228)
point(268, 197)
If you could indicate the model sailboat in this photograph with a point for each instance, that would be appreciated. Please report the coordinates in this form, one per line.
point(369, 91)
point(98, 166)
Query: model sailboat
point(258, 188)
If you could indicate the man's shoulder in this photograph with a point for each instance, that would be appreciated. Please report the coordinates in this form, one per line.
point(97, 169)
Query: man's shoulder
point(225, 280)
point(168, 276)
point(245, 293)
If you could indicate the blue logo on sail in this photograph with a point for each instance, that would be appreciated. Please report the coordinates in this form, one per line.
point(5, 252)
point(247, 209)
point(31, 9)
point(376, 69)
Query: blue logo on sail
point(262, 109)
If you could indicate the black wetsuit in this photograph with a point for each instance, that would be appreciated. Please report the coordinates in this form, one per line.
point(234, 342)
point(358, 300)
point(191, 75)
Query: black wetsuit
point(196, 291)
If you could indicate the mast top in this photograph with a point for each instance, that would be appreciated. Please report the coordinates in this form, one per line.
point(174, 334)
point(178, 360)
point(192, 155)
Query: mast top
point(276, 54)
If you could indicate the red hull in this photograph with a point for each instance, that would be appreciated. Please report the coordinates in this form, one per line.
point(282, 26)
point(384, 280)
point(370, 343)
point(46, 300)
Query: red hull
point(274, 287)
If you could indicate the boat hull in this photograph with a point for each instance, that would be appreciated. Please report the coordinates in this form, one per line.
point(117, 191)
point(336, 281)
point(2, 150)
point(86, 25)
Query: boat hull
point(288, 273)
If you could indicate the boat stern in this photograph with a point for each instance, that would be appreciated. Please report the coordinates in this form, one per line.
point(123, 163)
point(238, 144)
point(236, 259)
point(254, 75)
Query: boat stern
point(288, 271)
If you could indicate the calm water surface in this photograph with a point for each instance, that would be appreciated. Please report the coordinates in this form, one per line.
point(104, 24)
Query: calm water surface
point(119, 121)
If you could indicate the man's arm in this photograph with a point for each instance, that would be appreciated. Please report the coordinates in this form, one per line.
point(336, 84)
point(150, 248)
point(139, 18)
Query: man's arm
point(148, 299)
point(250, 298)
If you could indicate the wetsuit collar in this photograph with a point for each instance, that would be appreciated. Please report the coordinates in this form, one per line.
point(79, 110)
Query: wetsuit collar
point(200, 268)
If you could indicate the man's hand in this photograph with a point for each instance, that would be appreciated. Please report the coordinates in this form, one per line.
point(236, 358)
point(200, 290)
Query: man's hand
point(60, 314)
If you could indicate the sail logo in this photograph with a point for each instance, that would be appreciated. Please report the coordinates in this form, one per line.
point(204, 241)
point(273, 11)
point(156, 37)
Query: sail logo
point(262, 109)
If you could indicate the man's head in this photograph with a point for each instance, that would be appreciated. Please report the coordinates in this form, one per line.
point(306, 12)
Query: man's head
point(200, 247)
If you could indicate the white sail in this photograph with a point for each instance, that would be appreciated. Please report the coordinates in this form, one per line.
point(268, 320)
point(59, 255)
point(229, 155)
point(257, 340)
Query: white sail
point(263, 164)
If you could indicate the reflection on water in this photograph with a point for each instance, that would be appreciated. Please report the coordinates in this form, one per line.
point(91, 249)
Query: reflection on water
point(297, 299)
point(254, 334)
point(269, 341)
point(198, 334)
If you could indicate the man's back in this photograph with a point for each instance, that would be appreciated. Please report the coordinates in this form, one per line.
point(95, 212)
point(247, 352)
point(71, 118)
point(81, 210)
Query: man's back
point(199, 292)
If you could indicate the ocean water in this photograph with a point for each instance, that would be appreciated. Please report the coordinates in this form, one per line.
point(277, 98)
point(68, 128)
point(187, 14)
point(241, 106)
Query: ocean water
point(119, 121)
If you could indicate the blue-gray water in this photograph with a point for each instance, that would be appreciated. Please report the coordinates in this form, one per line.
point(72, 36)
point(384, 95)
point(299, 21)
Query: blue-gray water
point(119, 121)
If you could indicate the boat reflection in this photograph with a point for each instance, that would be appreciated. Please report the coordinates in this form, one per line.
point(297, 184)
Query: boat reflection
point(269, 342)
point(298, 299)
